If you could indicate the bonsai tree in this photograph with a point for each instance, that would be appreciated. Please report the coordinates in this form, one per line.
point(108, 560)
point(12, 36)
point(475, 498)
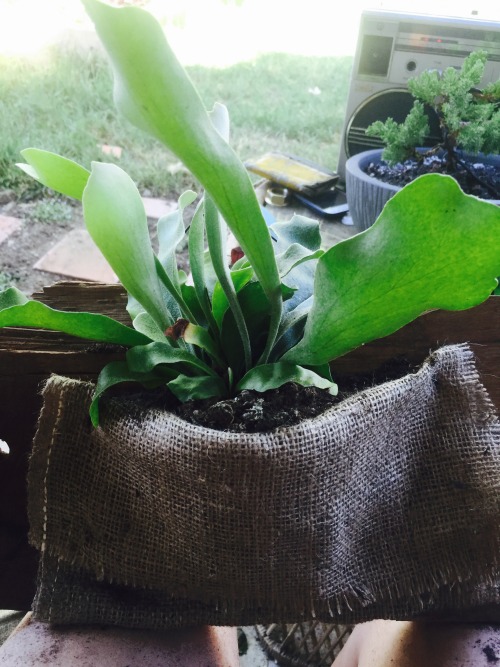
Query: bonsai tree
point(469, 118)
point(286, 308)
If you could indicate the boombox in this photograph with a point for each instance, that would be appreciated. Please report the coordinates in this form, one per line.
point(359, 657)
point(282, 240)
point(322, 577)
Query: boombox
point(393, 47)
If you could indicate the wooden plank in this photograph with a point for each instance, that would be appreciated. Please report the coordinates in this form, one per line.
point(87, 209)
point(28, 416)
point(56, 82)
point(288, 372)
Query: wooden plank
point(28, 357)
point(479, 326)
point(84, 296)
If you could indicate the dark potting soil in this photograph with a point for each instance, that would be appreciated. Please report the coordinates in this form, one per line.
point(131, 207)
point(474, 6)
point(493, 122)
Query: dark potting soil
point(475, 178)
point(252, 411)
point(249, 411)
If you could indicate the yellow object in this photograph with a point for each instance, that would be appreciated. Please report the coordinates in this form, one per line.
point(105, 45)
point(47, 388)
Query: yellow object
point(293, 173)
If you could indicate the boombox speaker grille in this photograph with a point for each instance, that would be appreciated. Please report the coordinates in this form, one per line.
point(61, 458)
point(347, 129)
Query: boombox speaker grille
point(395, 103)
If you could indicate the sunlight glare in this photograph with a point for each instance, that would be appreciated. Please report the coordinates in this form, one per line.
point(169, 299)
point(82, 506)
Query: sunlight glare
point(28, 26)
point(220, 32)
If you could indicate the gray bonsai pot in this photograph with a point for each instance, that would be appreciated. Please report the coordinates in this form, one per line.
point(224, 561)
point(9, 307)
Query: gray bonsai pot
point(366, 195)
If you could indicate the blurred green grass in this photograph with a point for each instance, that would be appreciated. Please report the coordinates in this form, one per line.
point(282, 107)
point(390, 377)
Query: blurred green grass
point(63, 102)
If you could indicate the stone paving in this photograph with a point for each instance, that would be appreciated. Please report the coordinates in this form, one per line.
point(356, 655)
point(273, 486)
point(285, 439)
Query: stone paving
point(155, 208)
point(75, 256)
point(8, 225)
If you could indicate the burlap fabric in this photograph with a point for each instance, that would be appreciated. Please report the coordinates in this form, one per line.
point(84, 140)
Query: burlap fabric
point(388, 505)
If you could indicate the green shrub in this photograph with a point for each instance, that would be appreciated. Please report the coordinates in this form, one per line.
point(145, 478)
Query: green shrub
point(469, 118)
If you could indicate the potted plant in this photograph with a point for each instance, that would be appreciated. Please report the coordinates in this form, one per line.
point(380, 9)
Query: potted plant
point(147, 519)
point(468, 120)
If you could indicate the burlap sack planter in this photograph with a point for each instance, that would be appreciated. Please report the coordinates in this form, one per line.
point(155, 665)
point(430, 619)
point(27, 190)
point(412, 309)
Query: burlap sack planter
point(387, 505)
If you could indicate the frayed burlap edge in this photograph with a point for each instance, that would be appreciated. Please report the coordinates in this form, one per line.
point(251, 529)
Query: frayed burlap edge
point(469, 580)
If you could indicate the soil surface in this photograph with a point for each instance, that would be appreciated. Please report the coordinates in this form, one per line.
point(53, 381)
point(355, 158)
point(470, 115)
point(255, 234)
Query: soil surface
point(475, 178)
point(248, 411)
point(253, 411)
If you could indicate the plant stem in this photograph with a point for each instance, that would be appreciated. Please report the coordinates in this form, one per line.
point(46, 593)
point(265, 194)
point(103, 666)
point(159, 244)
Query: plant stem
point(196, 249)
point(276, 312)
point(163, 276)
point(217, 254)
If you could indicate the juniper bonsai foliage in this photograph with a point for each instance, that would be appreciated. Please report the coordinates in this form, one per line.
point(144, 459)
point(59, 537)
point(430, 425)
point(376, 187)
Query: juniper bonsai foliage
point(283, 310)
point(469, 118)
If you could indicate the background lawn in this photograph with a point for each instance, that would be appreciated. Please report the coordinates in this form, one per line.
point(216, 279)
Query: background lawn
point(62, 101)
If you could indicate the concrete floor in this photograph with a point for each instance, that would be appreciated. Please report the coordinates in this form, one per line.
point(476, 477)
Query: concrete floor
point(253, 657)
point(8, 621)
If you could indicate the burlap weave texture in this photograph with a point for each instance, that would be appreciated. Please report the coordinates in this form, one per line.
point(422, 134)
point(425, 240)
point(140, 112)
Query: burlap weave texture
point(387, 505)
